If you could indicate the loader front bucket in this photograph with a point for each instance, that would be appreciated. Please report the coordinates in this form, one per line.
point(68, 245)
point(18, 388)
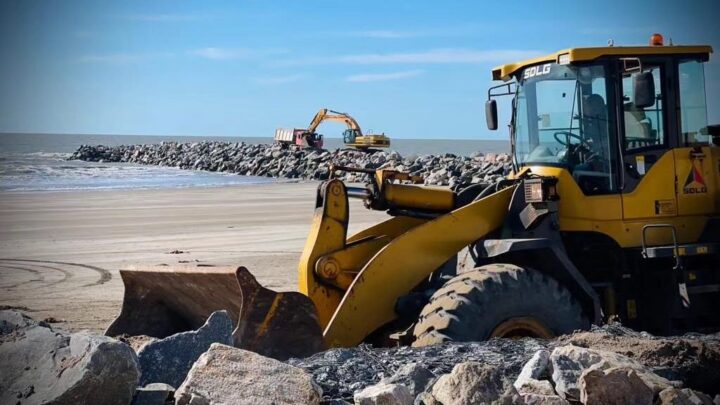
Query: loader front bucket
point(160, 301)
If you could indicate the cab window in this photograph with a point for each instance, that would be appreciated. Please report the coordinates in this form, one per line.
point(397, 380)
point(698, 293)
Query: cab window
point(693, 111)
point(644, 127)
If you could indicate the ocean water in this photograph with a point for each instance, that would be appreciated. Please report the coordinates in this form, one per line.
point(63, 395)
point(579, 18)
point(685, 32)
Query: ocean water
point(38, 162)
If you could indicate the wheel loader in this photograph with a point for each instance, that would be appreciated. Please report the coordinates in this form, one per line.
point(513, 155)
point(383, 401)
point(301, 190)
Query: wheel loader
point(611, 210)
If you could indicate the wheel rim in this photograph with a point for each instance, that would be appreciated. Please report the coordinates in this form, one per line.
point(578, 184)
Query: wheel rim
point(522, 327)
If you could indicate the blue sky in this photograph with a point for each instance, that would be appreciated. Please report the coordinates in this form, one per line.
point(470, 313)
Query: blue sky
point(412, 69)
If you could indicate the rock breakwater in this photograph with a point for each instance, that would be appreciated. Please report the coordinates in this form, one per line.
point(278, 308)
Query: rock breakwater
point(295, 163)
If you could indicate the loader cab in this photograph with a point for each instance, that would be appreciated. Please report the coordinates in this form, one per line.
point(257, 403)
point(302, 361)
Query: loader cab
point(561, 119)
point(606, 115)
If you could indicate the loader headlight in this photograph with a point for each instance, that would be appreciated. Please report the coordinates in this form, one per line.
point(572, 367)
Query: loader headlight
point(540, 189)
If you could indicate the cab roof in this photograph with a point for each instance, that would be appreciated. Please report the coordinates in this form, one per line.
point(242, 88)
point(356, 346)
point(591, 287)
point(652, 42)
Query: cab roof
point(571, 55)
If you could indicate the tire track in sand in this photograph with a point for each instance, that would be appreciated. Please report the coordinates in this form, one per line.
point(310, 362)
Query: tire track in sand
point(105, 275)
point(33, 271)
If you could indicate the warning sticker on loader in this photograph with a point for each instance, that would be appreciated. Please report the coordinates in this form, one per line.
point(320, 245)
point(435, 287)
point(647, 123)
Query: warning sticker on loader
point(665, 207)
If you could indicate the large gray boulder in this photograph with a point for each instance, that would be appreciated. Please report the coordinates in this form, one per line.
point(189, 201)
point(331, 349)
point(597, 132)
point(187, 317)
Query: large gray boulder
point(569, 362)
point(469, 383)
point(685, 396)
point(384, 394)
point(413, 376)
point(154, 394)
point(620, 385)
point(535, 369)
point(44, 366)
point(169, 360)
point(227, 375)
point(11, 320)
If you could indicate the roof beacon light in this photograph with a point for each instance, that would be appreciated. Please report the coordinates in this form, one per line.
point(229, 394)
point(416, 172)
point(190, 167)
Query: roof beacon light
point(656, 39)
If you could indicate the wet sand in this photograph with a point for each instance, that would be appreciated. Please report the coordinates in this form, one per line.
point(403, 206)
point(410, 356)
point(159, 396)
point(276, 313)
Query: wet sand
point(60, 252)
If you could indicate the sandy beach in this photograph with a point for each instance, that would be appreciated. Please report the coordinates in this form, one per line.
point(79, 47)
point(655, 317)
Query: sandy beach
point(60, 252)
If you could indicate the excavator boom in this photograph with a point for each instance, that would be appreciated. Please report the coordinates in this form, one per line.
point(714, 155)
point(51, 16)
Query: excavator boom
point(353, 136)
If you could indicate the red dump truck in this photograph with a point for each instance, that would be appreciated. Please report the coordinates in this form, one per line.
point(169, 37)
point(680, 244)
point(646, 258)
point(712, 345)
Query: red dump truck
point(298, 136)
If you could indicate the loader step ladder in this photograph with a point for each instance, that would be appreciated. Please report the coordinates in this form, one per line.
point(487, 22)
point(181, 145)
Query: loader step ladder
point(668, 251)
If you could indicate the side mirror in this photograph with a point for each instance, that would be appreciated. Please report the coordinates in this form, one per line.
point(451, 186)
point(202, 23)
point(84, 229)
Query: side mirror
point(491, 114)
point(644, 90)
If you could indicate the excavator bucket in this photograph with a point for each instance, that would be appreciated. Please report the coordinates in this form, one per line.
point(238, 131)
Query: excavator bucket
point(160, 301)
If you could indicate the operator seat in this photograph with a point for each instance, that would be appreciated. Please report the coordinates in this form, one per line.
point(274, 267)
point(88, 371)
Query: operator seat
point(595, 123)
point(592, 176)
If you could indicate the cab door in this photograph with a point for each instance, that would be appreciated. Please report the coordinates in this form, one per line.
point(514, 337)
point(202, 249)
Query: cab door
point(646, 141)
point(697, 164)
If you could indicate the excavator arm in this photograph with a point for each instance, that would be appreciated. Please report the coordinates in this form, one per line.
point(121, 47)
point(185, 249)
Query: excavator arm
point(334, 116)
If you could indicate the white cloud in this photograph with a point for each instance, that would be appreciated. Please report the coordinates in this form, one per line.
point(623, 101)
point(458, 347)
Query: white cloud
point(124, 57)
point(378, 77)
point(279, 79)
point(167, 17)
point(386, 34)
point(232, 53)
point(438, 32)
point(440, 56)
point(433, 56)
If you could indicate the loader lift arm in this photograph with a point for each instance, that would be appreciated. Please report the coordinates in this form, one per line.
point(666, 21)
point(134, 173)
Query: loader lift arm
point(355, 282)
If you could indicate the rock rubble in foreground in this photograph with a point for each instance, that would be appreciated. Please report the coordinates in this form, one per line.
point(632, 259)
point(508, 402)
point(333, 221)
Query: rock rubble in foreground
point(295, 163)
point(609, 364)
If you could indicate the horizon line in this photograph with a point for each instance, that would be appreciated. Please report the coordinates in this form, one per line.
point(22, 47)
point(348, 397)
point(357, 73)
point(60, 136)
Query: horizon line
point(238, 136)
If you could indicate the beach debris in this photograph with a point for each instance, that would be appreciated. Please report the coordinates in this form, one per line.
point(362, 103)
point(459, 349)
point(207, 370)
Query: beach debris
point(177, 252)
point(44, 365)
point(169, 360)
point(229, 375)
point(273, 160)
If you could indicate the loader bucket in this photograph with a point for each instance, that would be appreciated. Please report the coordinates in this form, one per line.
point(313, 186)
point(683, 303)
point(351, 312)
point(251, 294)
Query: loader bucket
point(160, 301)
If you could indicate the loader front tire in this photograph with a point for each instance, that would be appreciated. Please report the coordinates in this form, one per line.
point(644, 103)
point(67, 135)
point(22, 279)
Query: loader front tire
point(498, 300)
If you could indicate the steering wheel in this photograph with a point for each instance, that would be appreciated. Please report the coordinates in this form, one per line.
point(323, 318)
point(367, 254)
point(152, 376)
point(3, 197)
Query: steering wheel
point(569, 135)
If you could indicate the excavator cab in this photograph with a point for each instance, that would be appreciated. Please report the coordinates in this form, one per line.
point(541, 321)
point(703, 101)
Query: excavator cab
point(349, 135)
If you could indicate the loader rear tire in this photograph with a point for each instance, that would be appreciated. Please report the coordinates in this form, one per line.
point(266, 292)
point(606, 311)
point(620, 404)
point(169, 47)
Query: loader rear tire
point(498, 300)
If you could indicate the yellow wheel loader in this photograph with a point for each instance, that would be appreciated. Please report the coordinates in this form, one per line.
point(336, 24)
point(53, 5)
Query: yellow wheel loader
point(612, 209)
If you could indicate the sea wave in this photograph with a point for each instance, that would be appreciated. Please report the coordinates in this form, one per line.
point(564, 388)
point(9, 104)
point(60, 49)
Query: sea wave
point(49, 171)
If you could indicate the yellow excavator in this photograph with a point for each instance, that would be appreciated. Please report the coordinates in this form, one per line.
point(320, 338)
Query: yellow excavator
point(612, 209)
point(352, 136)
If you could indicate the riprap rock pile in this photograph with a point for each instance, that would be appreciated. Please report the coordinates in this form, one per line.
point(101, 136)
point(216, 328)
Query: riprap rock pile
point(296, 163)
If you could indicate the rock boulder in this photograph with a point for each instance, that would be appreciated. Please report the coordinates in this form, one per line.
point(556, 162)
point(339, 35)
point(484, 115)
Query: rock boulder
point(620, 385)
point(229, 375)
point(42, 365)
point(384, 394)
point(168, 360)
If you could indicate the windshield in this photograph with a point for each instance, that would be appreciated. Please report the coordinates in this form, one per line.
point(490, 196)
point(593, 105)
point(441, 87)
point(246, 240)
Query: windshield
point(561, 111)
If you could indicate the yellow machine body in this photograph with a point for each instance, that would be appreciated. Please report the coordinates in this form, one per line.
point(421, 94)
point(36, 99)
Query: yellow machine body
point(352, 284)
